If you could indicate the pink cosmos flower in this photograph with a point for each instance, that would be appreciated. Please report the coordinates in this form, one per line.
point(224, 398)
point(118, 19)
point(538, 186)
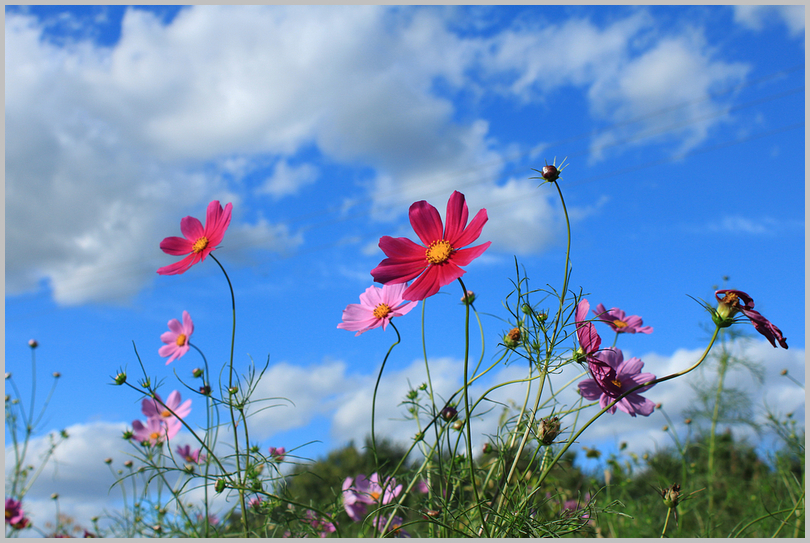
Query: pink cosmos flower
point(278, 453)
point(394, 528)
point(354, 501)
point(14, 512)
point(376, 308)
point(154, 431)
point(368, 490)
point(198, 242)
point(177, 338)
point(624, 375)
point(729, 305)
point(621, 323)
point(157, 409)
point(435, 264)
point(323, 526)
point(192, 457)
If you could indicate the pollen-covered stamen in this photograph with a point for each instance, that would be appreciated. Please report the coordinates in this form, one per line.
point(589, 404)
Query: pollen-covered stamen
point(381, 311)
point(619, 323)
point(165, 413)
point(375, 496)
point(181, 340)
point(731, 299)
point(154, 435)
point(200, 244)
point(616, 383)
point(439, 252)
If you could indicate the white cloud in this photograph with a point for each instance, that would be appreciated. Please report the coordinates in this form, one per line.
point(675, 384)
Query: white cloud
point(108, 146)
point(758, 17)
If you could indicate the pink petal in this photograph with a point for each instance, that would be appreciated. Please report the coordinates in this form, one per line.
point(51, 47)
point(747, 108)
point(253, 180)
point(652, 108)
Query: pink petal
point(356, 312)
point(426, 222)
point(390, 270)
point(173, 400)
point(176, 246)
point(448, 272)
point(167, 350)
point(589, 389)
point(192, 228)
point(217, 222)
point(188, 324)
point(462, 257)
point(424, 286)
point(456, 217)
point(473, 230)
point(175, 326)
point(642, 406)
point(179, 267)
point(371, 298)
point(629, 367)
point(168, 337)
point(402, 249)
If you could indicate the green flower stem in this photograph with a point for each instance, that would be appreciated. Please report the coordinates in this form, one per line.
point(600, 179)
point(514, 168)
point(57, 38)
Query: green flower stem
point(666, 522)
point(574, 437)
point(374, 397)
point(468, 423)
point(230, 405)
point(722, 360)
point(206, 382)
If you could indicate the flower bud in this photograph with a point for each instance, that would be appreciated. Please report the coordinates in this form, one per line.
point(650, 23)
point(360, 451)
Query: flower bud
point(423, 387)
point(659, 405)
point(468, 298)
point(458, 425)
point(197, 372)
point(550, 173)
point(783, 372)
point(219, 486)
point(419, 436)
point(54, 496)
point(57, 375)
point(488, 448)
point(413, 394)
point(120, 379)
point(622, 445)
point(8, 375)
point(687, 421)
point(665, 428)
point(233, 390)
point(549, 430)
point(671, 495)
point(512, 339)
point(157, 528)
point(449, 413)
point(108, 460)
point(527, 309)
point(128, 464)
point(33, 343)
point(128, 434)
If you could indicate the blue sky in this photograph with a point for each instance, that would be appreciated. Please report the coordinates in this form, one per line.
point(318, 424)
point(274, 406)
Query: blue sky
point(683, 127)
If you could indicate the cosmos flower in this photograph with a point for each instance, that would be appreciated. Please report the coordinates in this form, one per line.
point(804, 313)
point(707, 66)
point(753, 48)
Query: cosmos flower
point(15, 515)
point(729, 305)
point(437, 262)
point(367, 490)
point(625, 375)
point(376, 308)
point(278, 453)
point(589, 343)
point(193, 457)
point(157, 409)
point(154, 431)
point(621, 323)
point(177, 338)
point(354, 501)
point(198, 242)
point(394, 528)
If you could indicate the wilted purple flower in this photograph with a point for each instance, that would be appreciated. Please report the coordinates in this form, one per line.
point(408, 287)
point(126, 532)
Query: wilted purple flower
point(729, 305)
point(624, 375)
point(621, 323)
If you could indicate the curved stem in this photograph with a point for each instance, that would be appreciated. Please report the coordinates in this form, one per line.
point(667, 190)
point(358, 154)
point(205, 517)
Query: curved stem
point(230, 404)
point(374, 397)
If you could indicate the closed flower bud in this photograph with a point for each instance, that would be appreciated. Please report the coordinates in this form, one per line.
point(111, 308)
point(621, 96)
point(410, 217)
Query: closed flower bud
point(219, 486)
point(128, 464)
point(423, 387)
point(449, 413)
point(659, 405)
point(8, 375)
point(197, 372)
point(233, 390)
point(120, 379)
point(108, 460)
point(205, 390)
point(412, 394)
point(550, 173)
point(783, 372)
point(527, 309)
point(458, 425)
point(157, 528)
point(665, 428)
point(128, 434)
point(33, 343)
point(488, 448)
point(549, 430)
point(512, 339)
point(468, 298)
point(54, 496)
point(687, 421)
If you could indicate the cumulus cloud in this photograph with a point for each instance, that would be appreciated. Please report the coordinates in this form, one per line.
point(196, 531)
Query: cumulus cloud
point(109, 144)
point(758, 17)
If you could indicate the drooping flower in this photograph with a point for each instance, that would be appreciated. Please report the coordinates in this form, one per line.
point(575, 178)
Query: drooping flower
point(278, 453)
point(157, 409)
point(624, 375)
point(177, 338)
point(198, 241)
point(590, 342)
point(620, 322)
point(376, 308)
point(729, 305)
point(394, 528)
point(154, 431)
point(15, 515)
point(191, 456)
point(438, 262)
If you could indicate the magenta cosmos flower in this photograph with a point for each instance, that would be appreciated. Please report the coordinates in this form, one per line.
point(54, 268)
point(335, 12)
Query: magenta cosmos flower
point(729, 305)
point(278, 453)
point(376, 308)
point(157, 409)
point(177, 338)
point(621, 323)
point(198, 241)
point(589, 342)
point(435, 264)
point(367, 490)
point(626, 374)
point(14, 513)
point(190, 456)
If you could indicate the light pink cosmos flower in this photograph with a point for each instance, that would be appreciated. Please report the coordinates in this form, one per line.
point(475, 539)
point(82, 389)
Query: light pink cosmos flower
point(156, 409)
point(354, 500)
point(625, 375)
point(435, 264)
point(278, 453)
point(621, 323)
point(177, 338)
point(376, 308)
point(198, 242)
point(154, 431)
point(368, 490)
point(729, 304)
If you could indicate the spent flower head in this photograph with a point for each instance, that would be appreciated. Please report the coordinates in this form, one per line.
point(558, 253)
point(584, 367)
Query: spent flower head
point(731, 302)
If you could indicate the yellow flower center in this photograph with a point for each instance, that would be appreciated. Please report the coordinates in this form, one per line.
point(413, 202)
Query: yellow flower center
point(438, 252)
point(381, 311)
point(154, 435)
point(200, 244)
point(619, 324)
point(617, 383)
point(181, 340)
point(9, 513)
point(189, 458)
point(375, 496)
point(165, 414)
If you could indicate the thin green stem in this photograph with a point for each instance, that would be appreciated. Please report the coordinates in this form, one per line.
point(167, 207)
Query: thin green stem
point(374, 396)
